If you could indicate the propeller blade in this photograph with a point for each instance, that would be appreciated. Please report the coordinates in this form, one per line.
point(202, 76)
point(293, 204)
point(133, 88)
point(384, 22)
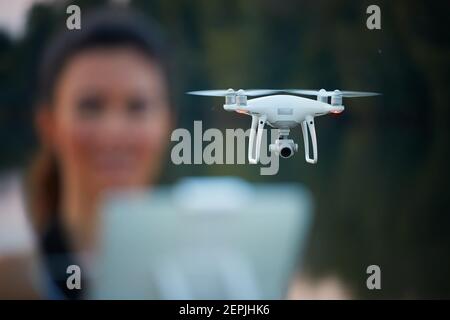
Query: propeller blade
point(222, 93)
point(260, 92)
point(303, 92)
point(354, 94)
point(264, 92)
point(347, 94)
point(209, 93)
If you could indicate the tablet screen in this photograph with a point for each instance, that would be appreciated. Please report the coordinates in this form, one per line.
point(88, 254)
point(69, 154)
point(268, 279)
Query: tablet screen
point(202, 239)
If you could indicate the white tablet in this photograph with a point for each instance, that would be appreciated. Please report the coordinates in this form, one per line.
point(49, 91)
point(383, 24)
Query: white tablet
point(204, 238)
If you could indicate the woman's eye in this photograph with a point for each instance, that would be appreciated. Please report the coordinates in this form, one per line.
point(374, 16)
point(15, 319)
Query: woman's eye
point(138, 106)
point(90, 106)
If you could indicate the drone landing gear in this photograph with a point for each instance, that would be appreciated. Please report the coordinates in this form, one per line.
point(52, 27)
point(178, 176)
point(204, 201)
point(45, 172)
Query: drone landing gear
point(256, 131)
point(283, 146)
point(308, 126)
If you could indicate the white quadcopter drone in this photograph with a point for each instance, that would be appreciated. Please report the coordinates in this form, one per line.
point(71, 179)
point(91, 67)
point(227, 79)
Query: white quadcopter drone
point(283, 111)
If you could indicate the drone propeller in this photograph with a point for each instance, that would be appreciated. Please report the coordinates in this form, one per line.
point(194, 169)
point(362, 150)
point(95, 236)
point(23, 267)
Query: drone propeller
point(324, 93)
point(223, 93)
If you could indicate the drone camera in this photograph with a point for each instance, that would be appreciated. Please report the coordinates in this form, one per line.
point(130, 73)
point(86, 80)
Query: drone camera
point(285, 148)
point(286, 152)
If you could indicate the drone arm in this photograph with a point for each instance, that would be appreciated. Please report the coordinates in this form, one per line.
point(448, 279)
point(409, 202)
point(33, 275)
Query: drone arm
point(256, 131)
point(308, 125)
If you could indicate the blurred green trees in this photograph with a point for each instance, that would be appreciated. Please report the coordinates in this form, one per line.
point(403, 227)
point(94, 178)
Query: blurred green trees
point(382, 182)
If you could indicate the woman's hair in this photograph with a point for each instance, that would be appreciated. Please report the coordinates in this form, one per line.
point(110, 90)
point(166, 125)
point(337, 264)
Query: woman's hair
point(105, 28)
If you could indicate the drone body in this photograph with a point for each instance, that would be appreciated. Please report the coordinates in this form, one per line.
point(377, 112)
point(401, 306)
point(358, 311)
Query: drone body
point(283, 111)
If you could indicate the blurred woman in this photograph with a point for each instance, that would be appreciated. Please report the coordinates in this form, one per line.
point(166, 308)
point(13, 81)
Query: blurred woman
point(103, 118)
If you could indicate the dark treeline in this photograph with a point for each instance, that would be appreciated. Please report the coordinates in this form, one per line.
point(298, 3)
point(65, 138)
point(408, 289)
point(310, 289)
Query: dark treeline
point(381, 186)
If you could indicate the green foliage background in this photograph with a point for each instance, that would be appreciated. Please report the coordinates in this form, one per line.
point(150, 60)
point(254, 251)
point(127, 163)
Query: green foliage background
point(381, 186)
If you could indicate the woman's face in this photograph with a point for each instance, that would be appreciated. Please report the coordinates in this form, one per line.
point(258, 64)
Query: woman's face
point(110, 118)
